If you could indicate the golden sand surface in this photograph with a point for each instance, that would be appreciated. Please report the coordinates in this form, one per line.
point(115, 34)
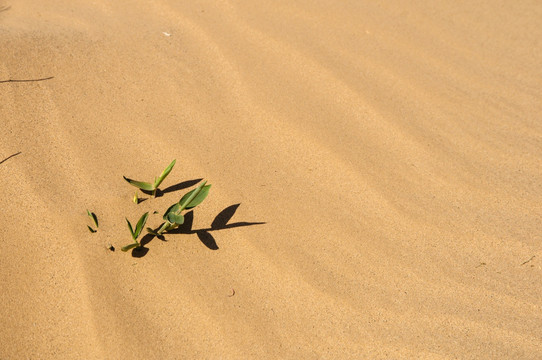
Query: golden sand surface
point(375, 168)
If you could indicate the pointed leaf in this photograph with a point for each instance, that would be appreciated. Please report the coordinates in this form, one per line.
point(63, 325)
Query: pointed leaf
point(172, 209)
point(130, 228)
point(189, 196)
point(198, 195)
point(165, 173)
point(93, 217)
point(140, 224)
point(128, 247)
point(140, 184)
point(91, 229)
point(175, 219)
point(136, 198)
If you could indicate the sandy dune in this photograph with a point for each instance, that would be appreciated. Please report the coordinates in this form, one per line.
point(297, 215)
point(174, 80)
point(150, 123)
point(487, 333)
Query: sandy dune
point(393, 153)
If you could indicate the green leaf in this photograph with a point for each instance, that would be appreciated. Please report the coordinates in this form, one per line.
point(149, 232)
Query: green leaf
point(91, 229)
point(195, 197)
point(93, 217)
point(136, 198)
point(140, 184)
point(172, 209)
point(175, 219)
point(140, 224)
point(200, 197)
point(128, 247)
point(165, 173)
point(131, 229)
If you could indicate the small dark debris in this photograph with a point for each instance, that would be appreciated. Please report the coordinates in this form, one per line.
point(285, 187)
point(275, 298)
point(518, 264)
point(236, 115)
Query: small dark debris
point(528, 261)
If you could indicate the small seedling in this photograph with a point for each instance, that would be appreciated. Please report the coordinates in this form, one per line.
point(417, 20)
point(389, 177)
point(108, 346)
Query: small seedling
point(173, 217)
point(135, 233)
point(157, 181)
point(136, 198)
point(94, 220)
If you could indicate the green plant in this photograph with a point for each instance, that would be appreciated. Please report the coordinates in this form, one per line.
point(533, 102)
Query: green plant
point(94, 220)
point(157, 181)
point(135, 233)
point(173, 217)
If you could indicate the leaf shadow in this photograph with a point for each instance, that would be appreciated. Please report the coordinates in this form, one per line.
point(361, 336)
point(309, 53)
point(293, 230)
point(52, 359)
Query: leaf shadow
point(4, 8)
point(221, 222)
point(172, 188)
point(139, 252)
point(147, 238)
point(179, 186)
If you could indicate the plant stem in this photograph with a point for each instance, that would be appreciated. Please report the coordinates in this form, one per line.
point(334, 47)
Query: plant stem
point(164, 227)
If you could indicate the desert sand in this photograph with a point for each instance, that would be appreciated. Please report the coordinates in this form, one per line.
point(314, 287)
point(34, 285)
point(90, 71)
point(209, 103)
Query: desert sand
point(375, 169)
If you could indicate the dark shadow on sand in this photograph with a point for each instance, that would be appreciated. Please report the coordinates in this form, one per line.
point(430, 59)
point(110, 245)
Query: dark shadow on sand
point(179, 186)
point(221, 222)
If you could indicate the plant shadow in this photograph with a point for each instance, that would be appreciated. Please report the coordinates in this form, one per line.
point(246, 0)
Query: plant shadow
point(221, 222)
point(139, 252)
point(179, 186)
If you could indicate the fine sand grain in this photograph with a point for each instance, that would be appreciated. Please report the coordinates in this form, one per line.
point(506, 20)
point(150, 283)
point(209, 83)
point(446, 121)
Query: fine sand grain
point(376, 174)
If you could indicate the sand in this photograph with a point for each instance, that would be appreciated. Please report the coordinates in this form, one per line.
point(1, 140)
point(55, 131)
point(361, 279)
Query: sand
point(375, 170)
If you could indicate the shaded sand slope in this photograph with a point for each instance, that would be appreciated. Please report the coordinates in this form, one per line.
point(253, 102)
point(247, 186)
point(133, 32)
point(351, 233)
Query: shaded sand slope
point(394, 153)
